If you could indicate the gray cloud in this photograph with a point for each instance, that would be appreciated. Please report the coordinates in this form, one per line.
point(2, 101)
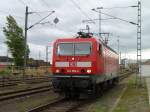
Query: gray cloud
point(71, 18)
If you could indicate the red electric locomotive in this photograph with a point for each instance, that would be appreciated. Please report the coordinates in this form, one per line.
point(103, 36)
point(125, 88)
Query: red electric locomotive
point(82, 64)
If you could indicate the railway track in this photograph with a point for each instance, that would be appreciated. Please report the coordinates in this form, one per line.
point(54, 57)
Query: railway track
point(23, 93)
point(62, 105)
point(124, 75)
point(4, 82)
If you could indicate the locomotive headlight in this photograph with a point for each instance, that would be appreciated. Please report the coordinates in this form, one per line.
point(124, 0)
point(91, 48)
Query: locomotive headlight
point(89, 71)
point(57, 71)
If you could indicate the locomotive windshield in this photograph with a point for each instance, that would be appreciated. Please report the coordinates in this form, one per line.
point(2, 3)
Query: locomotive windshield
point(82, 48)
point(74, 49)
point(65, 49)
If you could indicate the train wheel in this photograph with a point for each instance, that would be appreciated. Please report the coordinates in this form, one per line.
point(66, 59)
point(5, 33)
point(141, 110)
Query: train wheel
point(110, 83)
point(94, 91)
point(104, 86)
point(101, 89)
point(98, 90)
point(115, 81)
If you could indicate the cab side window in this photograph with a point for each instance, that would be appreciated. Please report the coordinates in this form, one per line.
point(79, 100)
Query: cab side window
point(100, 49)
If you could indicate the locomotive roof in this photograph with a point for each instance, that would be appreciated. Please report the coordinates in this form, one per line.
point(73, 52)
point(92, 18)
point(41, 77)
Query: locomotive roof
point(107, 46)
point(110, 48)
point(75, 39)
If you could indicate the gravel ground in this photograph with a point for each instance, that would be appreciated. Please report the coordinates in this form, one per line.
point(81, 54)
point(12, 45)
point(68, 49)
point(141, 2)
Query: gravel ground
point(123, 98)
point(134, 99)
point(25, 103)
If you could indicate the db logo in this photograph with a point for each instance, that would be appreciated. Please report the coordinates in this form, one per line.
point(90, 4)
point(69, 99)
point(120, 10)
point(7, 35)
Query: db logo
point(72, 64)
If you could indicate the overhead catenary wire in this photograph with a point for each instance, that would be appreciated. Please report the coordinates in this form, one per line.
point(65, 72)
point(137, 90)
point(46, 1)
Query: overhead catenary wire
point(80, 9)
point(113, 16)
point(41, 19)
point(125, 7)
point(97, 19)
point(118, 18)
point(45, 3)
point(42, 11)
point(23, 3)
point(37, 13)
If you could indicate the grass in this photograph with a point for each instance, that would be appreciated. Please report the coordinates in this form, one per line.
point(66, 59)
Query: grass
point(135, 99)
point(132, 100)
point(5, 72)
point(105, 102)
point(34, 71)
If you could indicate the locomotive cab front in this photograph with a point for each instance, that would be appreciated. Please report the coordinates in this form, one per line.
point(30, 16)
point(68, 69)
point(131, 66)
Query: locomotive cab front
point(73, 58)
point(73, 63)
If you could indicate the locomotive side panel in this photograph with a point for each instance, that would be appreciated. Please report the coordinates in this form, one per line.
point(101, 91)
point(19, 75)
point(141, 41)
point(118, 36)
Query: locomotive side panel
point(110, 63)
point(106, 63)
point(100, 59)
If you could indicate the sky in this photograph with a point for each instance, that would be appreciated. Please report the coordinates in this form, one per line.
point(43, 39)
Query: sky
point(71, 14)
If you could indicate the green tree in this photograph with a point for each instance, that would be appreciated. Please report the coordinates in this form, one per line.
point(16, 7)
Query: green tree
point(15, 40)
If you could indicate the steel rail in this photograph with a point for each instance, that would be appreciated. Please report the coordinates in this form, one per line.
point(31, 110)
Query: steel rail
point(23, 93)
